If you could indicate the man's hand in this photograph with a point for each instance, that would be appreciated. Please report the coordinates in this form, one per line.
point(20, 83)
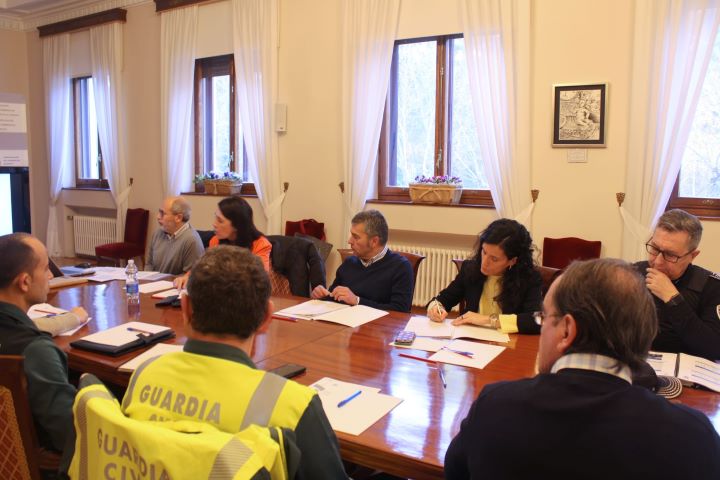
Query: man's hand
point(81, 313)
point(345, 295)
point(436, 312)
point(181, 281)
point(320, 292)
point(660, 285)
point(473, 318)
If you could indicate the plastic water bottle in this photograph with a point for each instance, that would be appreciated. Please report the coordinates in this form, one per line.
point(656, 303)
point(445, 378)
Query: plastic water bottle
point(132, 290)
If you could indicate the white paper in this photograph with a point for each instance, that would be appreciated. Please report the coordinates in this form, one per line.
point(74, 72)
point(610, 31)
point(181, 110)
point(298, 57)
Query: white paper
point(663, 363)
point(482, 354)
point(149, 275)
point(46, 310)
point(311, 309)
point(424, 327)
point(105, 274)
point(166, 293)
point(43, 310)
point(480, 333)
point(157, 350)
point(699, 370)
point(353, 316)
point(358, 414)
point(424, 343)
point(155, 286)
point(123, 334)
point(71, 332)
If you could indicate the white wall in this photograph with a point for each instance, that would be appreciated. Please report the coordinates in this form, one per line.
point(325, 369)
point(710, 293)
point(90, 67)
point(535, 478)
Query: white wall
point(572, 41)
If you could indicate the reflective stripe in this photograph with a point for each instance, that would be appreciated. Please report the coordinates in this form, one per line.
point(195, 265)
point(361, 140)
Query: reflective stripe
point(230, 459)
point(133, 381)
point(81, 417)
point(262, 403)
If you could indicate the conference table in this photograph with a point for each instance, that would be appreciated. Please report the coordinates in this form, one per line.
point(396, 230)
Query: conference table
point(411, 440)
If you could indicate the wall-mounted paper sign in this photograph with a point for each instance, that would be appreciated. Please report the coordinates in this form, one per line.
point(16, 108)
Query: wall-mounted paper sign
point(13, 117)
point(13, 158)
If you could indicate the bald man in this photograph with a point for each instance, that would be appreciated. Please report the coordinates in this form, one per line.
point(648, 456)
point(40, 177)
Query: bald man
point(175, 245)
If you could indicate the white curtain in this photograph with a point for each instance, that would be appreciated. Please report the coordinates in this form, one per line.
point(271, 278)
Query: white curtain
point(58, 115)
point(255, 33)
point(672, 48)
point(106, 54)
point(369, 32)
point(497, 45)
point(178, 36)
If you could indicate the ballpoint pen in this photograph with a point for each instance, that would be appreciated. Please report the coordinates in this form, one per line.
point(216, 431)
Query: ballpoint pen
point(133, 329)
point(441, 372)
point(49, 313)
point(344, 402)
point(460, 352)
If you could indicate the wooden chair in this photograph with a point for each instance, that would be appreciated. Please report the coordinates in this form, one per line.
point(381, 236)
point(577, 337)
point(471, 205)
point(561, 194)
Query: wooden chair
point(560, 252)
point(136, 227)
point(20, 454)
point(548, 275)
point(414, 259)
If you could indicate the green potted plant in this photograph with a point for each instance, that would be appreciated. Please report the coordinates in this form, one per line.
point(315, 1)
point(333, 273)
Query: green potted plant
point(199, 182)
point(439, 189)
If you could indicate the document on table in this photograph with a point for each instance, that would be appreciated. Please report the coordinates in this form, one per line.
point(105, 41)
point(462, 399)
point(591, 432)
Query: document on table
point(699, 370)
point(155, 286)
point(166, 293)
point(663, 363)
point(46, 318)
point(480, 354)
point(424, 327)
point(424, 343)
point(353, 408)
point(157, 350)
point(333, 312)
point(125, 333)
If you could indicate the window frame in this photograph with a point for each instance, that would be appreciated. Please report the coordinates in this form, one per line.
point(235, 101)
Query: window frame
point(705, 208)
point(205, 68)
point(443, 117)
point(89, 183)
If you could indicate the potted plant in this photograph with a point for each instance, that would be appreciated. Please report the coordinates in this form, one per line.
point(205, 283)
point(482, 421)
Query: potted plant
point(199, 182)
point(224, 183)
point(442, 189)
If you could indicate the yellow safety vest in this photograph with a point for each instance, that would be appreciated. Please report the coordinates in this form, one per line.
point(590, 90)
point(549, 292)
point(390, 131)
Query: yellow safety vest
point(224, 393)
point(110, 445)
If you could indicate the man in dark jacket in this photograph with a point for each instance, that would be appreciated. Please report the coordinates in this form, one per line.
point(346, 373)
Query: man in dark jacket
point(24, 275)
point(687, 297)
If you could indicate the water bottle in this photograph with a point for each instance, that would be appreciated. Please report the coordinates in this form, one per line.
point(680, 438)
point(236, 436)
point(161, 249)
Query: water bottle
point(132, 290)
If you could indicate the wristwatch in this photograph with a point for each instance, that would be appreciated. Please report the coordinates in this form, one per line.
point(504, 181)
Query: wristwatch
point(494, 320)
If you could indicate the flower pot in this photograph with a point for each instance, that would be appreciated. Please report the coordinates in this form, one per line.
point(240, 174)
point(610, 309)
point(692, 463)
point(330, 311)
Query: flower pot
point(200, 188)
point(435, 193)
point(222, 187)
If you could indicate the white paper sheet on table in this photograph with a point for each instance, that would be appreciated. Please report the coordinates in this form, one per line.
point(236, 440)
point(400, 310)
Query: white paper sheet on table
point(311, 309)
point(424, 343)
point(361, 412)
point(155, 286)
point(663, 363)
point(45, 309)
point(332, 312)
point(166, 293)
point(157, 350)
point(424, 327)
point(482, 354)
point(149, 275)
point(124, 334)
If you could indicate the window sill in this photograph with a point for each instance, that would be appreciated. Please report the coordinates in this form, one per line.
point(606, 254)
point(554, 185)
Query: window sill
point(203, 194)
point(445, 205)
point(91, 189)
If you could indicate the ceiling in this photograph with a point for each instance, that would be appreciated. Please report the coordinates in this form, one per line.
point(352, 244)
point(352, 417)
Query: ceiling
point(29, 14)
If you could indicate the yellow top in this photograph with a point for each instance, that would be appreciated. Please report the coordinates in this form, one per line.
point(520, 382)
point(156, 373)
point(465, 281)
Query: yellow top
point(488, 305)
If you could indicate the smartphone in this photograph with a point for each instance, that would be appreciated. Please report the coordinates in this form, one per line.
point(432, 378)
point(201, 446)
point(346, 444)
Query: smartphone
point(289, 370)
point(405, 338)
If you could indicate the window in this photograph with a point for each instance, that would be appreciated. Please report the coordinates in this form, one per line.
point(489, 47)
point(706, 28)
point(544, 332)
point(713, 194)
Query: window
point(697, 188)
point(215, 131)
point(89, 171)
point(429, 128)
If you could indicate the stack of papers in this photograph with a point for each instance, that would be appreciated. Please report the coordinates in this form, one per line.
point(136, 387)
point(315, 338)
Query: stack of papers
point(157, 350)
point(352, 408)
point(106, 274)
point(332, 312)
point(424, 327)
point(688, 368)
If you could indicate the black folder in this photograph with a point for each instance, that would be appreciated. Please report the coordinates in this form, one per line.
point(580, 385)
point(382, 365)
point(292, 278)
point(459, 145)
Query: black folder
point(143, 340)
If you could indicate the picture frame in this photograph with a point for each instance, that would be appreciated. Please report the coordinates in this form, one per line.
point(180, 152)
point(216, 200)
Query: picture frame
point(579, 115)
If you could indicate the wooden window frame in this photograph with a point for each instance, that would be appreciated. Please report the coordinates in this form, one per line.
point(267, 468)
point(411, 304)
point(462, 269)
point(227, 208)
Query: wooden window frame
point(77, 141)
point(705, 208)
point(206, 68)
point(443, 100)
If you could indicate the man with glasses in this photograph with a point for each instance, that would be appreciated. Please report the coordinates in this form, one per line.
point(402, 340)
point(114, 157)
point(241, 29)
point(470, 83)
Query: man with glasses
point(581, 416)
point(687, 297)
point(175, 245)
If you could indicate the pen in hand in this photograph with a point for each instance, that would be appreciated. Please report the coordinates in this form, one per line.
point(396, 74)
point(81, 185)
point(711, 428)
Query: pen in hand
point(344, 402)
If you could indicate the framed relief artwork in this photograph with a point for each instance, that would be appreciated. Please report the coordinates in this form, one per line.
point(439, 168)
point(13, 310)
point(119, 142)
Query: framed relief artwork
point(579, 115)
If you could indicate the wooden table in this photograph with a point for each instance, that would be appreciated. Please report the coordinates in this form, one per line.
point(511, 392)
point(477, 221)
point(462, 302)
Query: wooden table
point(412, 439)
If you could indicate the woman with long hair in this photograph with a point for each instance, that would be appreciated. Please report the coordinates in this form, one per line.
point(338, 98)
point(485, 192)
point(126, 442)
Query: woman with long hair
point(499, 284)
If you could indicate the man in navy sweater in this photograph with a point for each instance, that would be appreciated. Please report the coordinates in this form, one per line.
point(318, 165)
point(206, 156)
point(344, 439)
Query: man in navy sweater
point(374, 276)
point(582, 417)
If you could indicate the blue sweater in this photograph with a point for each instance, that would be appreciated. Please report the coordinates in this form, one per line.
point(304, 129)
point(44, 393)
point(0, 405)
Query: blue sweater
point(387, 284)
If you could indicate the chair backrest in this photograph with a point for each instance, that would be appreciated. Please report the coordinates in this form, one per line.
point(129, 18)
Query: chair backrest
point(18, 444)
point(136, 226)
point(560, 252)
point(324, 248)
point(205, 236)
point(548, 275)
point(414, 259)
point(298, 261)
point(161, 449)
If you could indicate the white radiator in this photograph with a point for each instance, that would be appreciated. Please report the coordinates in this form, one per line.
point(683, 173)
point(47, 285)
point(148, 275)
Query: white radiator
point(91, 231)
point(436, 271)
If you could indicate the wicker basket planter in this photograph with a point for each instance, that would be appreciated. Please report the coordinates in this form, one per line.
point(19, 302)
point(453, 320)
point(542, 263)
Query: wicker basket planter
point(435, 193)
point(222, 187)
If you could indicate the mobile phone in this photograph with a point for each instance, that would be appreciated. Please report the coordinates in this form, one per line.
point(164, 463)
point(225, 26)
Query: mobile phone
point(289, 370)
point(405, 338)
point(171, 301)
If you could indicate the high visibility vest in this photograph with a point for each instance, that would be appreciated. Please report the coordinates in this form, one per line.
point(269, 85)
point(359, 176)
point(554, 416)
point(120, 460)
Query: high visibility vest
point(226, 394)
point(110, 445)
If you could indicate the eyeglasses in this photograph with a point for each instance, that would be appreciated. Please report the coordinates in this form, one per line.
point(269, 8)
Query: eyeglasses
point(541, 316)
point(668, 257)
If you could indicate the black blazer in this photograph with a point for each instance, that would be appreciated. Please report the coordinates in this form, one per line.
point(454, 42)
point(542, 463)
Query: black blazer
point(468, 286)
point(298, 260)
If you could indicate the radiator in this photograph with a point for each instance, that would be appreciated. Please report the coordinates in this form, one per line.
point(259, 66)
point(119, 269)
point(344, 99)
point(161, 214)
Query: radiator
point(91, 231)
point(435, 272)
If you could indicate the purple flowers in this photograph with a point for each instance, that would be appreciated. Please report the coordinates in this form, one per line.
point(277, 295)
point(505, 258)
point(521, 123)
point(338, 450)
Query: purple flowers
point(439, 180)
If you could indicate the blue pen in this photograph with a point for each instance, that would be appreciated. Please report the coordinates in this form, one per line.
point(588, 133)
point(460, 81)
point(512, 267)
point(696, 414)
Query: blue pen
point(342, 403)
